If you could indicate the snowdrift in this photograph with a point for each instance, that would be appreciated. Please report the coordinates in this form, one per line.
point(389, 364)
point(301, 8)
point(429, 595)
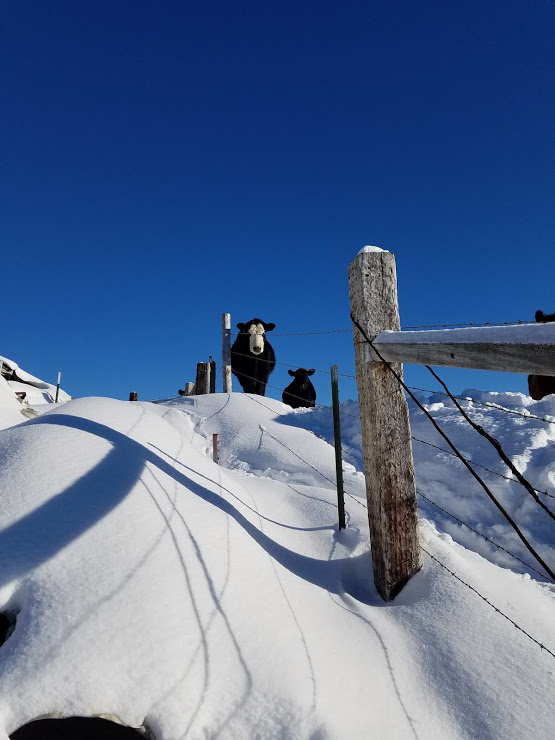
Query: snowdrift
point(206, 601)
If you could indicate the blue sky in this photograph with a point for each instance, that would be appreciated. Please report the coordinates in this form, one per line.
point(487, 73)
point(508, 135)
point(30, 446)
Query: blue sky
point(166, 162)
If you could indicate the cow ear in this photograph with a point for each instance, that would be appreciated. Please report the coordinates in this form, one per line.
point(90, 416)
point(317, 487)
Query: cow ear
point(240, 326)
point(311, 372)
point(269, 327)
point(291, 373)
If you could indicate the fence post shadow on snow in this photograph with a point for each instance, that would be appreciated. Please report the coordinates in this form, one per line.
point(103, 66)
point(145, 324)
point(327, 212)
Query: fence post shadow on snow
point(380, 347)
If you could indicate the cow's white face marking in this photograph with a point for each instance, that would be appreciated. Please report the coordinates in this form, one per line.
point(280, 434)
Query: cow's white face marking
point(256, 339)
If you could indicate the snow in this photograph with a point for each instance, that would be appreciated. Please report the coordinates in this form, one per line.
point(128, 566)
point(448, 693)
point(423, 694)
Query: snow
point(36, 395)
point(206, 600)
point(369, 248)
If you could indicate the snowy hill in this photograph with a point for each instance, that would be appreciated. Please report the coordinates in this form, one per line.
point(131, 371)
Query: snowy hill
point(204, 600)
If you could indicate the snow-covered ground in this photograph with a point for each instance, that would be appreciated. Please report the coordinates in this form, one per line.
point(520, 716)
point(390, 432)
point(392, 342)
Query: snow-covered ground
point(206, 600)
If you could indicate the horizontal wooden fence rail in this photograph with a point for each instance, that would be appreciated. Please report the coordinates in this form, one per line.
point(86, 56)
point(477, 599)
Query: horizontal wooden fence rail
point(528, 348)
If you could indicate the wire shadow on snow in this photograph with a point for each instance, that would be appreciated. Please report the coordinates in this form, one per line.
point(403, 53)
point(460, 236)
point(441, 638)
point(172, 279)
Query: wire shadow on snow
point(50, 529)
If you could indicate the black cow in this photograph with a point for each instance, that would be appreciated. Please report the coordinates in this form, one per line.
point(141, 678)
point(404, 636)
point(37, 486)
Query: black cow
point(540, 386)
point(252, 356)
point(300, 393)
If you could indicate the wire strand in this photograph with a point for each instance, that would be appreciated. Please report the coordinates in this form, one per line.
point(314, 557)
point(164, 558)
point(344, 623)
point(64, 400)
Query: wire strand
point(487, 404)
point(460, 521)
point(478, 465)
point(497, 447)
point(284, 364)
point(475, 475)
point(543, 647)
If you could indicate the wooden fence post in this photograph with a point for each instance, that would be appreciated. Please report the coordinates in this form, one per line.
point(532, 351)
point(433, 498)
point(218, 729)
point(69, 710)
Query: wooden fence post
point(200, 382)
point(58, 387)
point(337, 440)
point(189, 389)
point(208, 376)
point(212, 364)
point(226, 352)
point(386, 438)
point(215, 450)
point(133, 396)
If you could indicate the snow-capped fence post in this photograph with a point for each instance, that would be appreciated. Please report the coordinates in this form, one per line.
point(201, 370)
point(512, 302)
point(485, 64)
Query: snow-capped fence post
point(337, 440)
point(189, 389)
point(386, 437)
point(226, 352)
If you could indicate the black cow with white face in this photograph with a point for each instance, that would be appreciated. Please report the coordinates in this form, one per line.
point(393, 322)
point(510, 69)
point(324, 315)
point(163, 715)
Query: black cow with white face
point(300, 393)
point(252, 356)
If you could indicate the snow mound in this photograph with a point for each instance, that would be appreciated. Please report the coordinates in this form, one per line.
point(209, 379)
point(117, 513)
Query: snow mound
point(203, 600)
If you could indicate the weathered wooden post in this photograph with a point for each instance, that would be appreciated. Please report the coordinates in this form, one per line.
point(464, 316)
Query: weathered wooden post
point(58, 387)
point(133, 396)
point(386, 438)
point(215, 451)
point(200, 382)
point(208, 376)
point(226, 353)
point(189, 389)
point(337, 440)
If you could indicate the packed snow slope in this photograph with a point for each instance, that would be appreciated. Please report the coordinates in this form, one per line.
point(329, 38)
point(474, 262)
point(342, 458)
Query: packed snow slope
point(220, 601)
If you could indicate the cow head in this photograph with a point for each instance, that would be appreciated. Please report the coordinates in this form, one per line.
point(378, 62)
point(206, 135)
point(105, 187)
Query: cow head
point(256, 329)
point(301, 373)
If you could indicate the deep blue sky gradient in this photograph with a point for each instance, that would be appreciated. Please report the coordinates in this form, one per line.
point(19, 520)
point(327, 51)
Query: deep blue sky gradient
point(166, 162)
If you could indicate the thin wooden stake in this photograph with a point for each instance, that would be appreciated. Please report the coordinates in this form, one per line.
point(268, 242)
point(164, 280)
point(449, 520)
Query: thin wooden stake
point(337, 438)
point(215, 451)
point(58, 387)
point(386, 437)
point(226, 353)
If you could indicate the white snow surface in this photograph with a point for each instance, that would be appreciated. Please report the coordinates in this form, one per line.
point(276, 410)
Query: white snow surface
point(220, 601)
point(369, 248)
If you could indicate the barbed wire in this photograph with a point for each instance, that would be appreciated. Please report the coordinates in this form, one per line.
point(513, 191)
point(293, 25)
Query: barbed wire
point(285, 364)
point(474, 474)
point(274, 387)
point(478, 465)
point(304, 333)
point(485, 403)
point(314, 333)
point(469, 323)
point(497, 447)
point(403, 328)
point(460, 521)
point(334, 483)
point(543, 647)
